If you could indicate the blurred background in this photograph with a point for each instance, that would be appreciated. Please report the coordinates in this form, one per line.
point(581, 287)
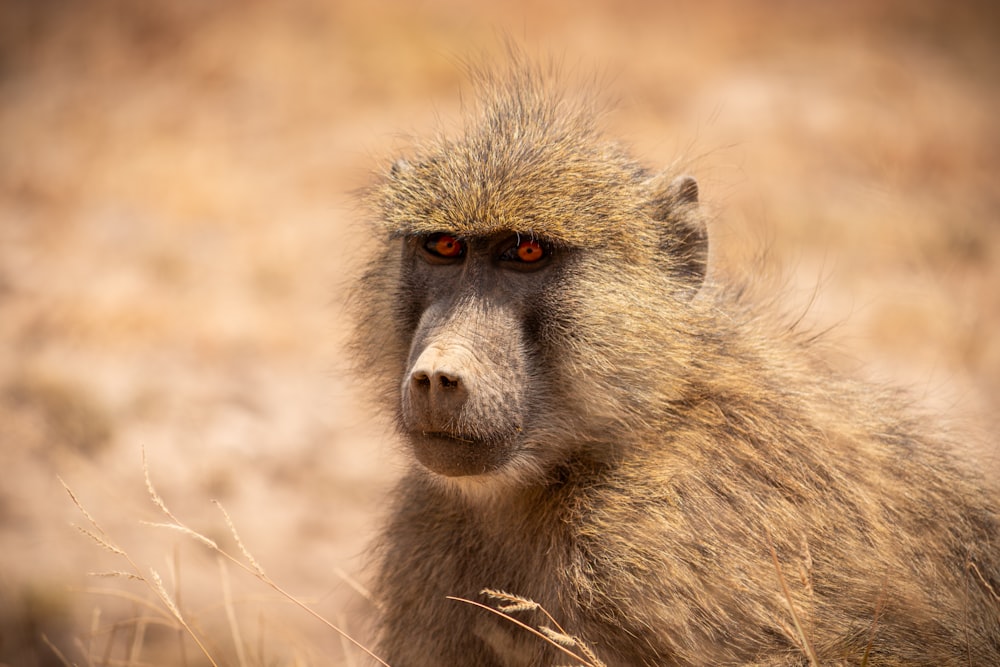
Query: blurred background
point(177, 228)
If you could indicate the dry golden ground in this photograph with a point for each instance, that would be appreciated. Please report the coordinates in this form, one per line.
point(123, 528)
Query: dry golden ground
point(176, 228)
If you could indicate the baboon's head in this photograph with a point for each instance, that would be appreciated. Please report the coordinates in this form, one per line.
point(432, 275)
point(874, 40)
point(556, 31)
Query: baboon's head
point(515, 316)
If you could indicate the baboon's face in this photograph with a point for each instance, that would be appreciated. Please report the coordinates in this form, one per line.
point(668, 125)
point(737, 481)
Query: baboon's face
point(470, 392)
point(534, 284)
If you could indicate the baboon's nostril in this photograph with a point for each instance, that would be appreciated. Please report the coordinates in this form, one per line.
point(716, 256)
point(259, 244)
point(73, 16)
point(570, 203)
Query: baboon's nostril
point(438, 388)
point(438, 379)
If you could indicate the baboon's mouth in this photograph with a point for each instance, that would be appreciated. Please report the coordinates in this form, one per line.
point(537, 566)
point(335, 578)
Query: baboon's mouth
point(457, 455)
point(450, 436)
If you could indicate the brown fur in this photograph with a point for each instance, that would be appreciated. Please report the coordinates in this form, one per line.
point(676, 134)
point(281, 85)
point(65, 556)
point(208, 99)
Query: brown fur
point(635, 448)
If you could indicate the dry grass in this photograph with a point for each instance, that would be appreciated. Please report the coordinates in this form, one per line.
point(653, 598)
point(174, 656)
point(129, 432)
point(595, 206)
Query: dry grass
point(176, 225)
point(508, 604)
point(167, 605)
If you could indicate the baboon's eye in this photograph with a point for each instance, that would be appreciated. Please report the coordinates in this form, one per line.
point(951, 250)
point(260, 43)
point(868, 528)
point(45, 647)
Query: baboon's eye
point(444, 245)
point(530, 250)
point(525, 251)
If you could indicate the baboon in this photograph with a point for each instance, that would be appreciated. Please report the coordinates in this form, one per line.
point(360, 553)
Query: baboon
point(676, 476)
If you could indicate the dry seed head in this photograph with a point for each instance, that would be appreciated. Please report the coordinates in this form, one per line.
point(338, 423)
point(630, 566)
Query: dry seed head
point(115, 574)
point(100, 540)
point(180, 528)
point(513, 602)
point(165, 597)
point(239, 543)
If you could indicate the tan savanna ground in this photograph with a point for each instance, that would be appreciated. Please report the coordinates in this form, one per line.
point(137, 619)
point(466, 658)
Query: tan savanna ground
point(177, 227)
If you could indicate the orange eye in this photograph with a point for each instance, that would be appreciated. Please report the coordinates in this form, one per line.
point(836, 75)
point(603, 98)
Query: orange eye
point(530, 250)
point(444, 245)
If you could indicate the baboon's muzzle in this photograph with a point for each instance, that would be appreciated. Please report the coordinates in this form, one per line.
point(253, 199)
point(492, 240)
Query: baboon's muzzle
point(462, 396)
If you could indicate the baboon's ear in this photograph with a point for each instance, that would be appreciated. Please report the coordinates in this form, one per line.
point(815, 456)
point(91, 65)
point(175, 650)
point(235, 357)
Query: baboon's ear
point(683, 237)
point(685, 189)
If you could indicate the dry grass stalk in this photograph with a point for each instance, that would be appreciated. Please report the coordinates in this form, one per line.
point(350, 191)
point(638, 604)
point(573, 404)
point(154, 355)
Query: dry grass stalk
point(253, 567)
point(979, 575)
point(518, 603)
point(806, 644)
point(227, 601)
point(155, 583)
point(571, 641)
point(356, 585)
point(513, 602)
point(559, 639)
point(55, 649)
point(138, 639)
point(257, 570)
point(879, 607)
point(95, 624)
